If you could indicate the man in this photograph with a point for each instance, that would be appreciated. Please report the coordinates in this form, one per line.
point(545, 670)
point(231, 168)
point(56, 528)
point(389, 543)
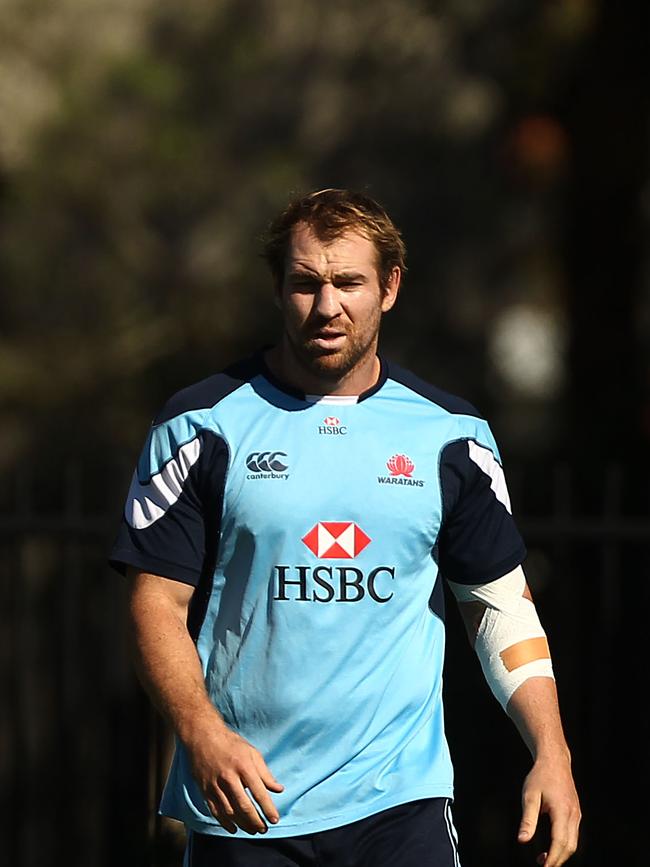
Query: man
point(285, 536)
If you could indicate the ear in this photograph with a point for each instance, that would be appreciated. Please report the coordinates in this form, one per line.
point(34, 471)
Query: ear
point(391, 289)
point(277, 295)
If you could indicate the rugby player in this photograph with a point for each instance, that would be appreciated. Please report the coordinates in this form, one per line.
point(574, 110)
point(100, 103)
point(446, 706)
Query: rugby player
point(286, 533)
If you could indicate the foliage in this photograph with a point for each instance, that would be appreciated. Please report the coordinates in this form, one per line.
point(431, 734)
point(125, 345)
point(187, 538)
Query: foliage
point(144, 146)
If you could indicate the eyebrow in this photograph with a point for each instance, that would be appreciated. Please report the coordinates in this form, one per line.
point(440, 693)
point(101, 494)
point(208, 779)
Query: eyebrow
point(350, 276)
point(302, 273)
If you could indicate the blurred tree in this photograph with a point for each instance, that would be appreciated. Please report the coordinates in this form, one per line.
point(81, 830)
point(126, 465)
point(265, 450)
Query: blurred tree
point(144, 147)
point(166, 137)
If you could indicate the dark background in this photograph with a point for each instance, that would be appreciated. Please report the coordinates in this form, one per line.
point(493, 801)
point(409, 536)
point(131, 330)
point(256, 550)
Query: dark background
point(143, 149)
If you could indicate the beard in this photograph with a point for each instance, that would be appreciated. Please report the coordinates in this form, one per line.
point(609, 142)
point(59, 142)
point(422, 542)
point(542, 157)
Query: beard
point(334, 364)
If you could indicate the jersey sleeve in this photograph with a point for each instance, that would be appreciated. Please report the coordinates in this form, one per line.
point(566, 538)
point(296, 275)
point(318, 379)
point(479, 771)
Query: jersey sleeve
point(170, 504)
point(479, 540)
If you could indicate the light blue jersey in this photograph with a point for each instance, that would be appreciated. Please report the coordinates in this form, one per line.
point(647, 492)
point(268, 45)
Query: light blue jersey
point(316, 533)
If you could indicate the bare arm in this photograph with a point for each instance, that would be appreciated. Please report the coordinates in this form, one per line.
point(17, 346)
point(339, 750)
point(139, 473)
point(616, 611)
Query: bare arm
point(164, 655)
point(549, 787)
point(165, 658)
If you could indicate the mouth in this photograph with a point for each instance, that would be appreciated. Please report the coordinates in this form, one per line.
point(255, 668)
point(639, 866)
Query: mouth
point(331, 340)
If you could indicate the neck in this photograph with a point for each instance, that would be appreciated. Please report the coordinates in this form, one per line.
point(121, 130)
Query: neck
point(283, 362)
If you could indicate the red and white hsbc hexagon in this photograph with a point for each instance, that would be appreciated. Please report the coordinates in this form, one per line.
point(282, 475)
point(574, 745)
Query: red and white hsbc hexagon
point(336, 540)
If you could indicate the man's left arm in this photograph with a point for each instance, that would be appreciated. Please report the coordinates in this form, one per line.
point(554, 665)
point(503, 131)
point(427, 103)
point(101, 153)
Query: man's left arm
point(503, 627)
point(549, 786)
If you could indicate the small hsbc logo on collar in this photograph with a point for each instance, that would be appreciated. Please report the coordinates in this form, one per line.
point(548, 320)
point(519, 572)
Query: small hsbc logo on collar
point(331, 426)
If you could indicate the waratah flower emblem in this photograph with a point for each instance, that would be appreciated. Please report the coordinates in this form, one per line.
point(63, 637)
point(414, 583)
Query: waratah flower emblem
point(400, 465)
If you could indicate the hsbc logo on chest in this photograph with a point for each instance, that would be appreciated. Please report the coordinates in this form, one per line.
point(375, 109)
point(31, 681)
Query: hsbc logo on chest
point(334, 540)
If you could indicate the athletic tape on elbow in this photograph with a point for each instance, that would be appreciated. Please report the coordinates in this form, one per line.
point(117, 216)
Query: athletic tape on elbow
point(510, 643)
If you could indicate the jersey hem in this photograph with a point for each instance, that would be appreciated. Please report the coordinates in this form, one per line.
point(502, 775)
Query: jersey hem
point(327, 824)
point(122, 557)
point(497, 571)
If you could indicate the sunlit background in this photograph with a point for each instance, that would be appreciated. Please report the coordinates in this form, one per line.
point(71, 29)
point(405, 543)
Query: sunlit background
point(144, 146)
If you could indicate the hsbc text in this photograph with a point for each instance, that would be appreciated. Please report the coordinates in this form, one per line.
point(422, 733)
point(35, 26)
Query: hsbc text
point(332, 583)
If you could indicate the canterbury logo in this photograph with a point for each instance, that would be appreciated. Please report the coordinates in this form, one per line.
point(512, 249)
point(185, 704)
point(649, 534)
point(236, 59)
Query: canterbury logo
point(266, 462)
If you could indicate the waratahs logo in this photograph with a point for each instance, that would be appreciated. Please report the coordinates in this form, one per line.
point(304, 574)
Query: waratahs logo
point(400, 465)
point(401, 469)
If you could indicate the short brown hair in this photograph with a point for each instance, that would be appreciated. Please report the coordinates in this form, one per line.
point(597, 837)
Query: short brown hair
point(330, 213)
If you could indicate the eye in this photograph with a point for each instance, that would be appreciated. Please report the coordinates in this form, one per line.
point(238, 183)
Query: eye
point(304, 284)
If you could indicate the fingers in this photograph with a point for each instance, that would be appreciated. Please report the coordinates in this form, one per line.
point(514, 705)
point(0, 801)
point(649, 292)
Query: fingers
point(222, 812)
point(259, 792)
point(230, 804)
point(559, 852)
point(236, 808)
point(565, 821)
point(531, 803)
point(267, 777)
point(235, 780)
point(244, 812)
point(564, 837)
point(258, 782)
point(549, 790)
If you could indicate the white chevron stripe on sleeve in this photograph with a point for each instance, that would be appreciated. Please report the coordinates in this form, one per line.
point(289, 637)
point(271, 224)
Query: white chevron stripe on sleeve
point(484, 459)
point(147, 503)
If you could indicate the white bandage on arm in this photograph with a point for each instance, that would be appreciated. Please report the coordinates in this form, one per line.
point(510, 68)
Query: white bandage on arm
point(510, 643)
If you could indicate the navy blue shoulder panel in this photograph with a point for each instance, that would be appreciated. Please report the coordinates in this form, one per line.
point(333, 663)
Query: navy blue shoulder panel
point(208, 392)
point(448, 402)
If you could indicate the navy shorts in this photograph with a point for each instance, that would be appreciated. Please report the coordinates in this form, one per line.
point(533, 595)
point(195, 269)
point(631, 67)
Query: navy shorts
point(417, 834)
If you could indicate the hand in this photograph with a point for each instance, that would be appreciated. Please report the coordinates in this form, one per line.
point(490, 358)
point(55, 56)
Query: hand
point(224, 766)
point(549, 789)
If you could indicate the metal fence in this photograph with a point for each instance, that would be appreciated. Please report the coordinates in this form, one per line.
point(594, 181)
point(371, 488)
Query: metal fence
point(82, 755)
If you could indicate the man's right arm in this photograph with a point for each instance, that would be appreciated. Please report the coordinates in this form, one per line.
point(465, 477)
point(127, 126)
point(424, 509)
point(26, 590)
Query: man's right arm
point(166, 661)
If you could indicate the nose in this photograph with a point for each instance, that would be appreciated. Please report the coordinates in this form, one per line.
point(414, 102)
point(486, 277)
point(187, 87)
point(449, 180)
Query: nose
point(326, 301)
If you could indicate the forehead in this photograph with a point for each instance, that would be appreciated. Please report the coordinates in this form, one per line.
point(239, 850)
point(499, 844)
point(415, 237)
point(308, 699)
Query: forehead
point(352, 248)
